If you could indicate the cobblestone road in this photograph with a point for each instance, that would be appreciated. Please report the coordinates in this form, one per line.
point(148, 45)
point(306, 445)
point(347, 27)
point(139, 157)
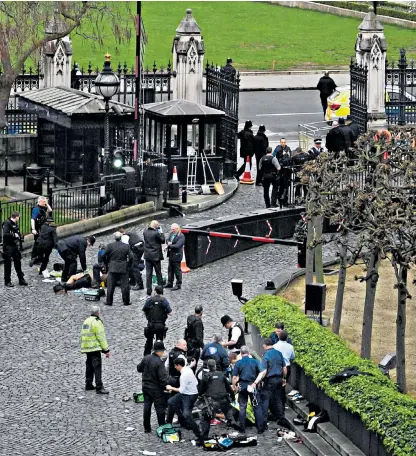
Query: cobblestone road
point(44, 409)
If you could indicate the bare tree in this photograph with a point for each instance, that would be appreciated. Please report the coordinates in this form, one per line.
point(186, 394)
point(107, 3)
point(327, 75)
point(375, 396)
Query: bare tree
point(23, 27)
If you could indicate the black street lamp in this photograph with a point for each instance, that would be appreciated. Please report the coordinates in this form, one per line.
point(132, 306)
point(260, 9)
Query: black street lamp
point(107, 84)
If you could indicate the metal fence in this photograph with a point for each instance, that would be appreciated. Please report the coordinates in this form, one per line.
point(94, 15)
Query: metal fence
point(401, 91)
point(358, 96)
point(307, 133)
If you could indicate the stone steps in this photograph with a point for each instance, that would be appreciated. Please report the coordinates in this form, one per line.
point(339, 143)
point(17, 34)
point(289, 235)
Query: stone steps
point(328, 441)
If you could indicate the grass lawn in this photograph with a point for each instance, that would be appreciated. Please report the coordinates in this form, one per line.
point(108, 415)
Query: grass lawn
point(254, 34)
point(384, 322)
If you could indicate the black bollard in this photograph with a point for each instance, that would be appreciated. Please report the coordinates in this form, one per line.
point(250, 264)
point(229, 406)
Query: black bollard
point(184, 195)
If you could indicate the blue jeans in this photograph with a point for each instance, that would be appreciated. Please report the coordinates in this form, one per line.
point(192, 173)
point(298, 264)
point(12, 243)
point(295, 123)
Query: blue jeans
point(258, 411)
point(272, 391)
point(182, 404)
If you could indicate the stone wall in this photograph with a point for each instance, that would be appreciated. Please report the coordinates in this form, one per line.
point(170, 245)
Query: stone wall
point(18, 149)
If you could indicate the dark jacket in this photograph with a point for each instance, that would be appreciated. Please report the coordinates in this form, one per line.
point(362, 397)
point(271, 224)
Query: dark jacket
point(299, 160)
point(216, 385)
point(153, 241)
point(11, 235)
point(47, 237)
point(229, 71)
point(355, 131)
point(77, 245)
point(154, 376)
point(246, 143)
point(156, 309)
point(261, 143)
point(173, 354)
point(195, 332)
point(39, 214)
point(335, 140)
point(283, 155)
point(175, 251)
point(213, 350)
point(348, 135)
point(117, 257)
point(326, 86)
point(273, 336)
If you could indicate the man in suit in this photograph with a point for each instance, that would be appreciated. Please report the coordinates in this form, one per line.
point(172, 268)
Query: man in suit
point(176, 241)
point(153, 240)
point(117, 256)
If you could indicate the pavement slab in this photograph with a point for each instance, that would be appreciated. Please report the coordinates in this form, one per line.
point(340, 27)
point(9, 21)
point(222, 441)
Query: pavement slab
point(44, 409)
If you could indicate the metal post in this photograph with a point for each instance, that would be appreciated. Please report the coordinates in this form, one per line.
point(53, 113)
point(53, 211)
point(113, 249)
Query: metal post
point(24, 176)
point(6, 172)
point(1, 222)
point(48, 181)
point(103, 198)
point(402, 67)
point(107, 139)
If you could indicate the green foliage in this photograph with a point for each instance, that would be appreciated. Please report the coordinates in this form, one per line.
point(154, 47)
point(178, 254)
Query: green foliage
point(388, 10)
point(254, 34)
point(322, 354)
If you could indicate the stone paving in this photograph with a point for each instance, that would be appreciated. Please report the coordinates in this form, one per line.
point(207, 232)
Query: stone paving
point(44, 409)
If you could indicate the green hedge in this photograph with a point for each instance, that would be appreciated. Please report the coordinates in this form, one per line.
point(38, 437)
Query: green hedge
point(322, 354)
point(381, 10)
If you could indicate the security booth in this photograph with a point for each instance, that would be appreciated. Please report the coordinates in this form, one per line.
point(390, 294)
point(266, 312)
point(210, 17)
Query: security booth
point(179, 131)
point(71, 131)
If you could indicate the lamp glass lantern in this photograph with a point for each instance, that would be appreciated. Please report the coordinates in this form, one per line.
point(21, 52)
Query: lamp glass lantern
point(107, 82)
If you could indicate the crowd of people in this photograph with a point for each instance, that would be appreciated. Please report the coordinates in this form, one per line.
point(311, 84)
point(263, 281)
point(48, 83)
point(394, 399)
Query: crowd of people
point(197, 381)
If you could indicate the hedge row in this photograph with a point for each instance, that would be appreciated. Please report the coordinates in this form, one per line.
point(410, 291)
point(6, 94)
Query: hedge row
point(381, 10)
point(322, 354)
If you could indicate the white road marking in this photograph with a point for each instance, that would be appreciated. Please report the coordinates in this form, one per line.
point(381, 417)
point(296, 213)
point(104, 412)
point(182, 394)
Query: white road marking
point(290, 114)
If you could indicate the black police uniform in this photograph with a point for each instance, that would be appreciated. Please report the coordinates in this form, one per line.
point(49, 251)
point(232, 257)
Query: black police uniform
point(154, 381)
point(217, 389)
point(269, 177)
point(194, 336)
point(39, 222)
point(153, 240)
point(285, 161)
point(69, 249)
point(298, 161)
point(12, 240)
point(136, 244)
point(240, 341)
point(118, 257)
point(174, 374)
point(315, 152)
point(46, 243)
point(156, 309)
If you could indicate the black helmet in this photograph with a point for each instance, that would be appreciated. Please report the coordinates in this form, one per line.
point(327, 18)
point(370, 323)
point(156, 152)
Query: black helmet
point(198, 309)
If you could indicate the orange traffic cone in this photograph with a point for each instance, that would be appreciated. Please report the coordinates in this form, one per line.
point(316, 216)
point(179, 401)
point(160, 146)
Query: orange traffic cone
point(184, 267)
point(247, 179)
point(175, 175)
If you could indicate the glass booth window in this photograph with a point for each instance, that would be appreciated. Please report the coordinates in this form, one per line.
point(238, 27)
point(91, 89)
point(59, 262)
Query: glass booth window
point(192, 139)
point(174, 140)
point(210, 139)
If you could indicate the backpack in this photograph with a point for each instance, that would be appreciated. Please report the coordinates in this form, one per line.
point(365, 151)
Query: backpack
point(315, 418)
point(168, 433)
point(189, 332)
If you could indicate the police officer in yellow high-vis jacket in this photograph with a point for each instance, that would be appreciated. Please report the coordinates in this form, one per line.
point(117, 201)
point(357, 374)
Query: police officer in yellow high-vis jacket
point(93, 342)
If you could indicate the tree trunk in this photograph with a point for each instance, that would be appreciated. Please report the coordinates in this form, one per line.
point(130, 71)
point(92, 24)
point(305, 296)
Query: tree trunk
point(319, 265)
point(342, 275)
point(401, 330)
point(6, 84)
point(309, 254)
point(370, 296)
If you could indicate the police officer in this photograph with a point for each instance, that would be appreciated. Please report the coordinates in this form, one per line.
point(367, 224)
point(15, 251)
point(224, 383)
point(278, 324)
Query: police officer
point(235, 334)
point(269, 167)
point(194, 334)
point(93, 343)
point(69, 249)
point(38, 218)
point(298, 161)
point(154, 382)
point(46, 243)
point(117, 256)
point(214, 350)
point(136, 244)
point(179, 350)
point(316, 150)
point(245, 373)
point(156, 309)
point(12, 243)
point(217, 389)
point(284, 154)
point(273, 373)
point(228, 70)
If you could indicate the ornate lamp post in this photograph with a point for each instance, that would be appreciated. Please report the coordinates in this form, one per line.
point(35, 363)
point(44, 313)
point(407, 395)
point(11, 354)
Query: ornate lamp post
point(107, 84)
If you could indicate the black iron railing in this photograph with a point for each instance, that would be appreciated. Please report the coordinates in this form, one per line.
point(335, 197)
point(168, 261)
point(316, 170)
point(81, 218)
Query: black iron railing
point(401, 91)
point(358, 96)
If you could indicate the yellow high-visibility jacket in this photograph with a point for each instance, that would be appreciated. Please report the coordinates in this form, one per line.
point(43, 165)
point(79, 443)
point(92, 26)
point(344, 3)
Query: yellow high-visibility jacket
point(93, 336)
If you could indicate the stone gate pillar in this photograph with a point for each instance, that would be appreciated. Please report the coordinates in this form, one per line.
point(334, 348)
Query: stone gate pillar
point(370, 51)
point(188, 60)
point(56, 57)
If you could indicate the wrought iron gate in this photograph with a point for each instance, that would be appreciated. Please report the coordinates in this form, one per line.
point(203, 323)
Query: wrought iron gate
point(401, 91)
point(223, 92)
point(358, 95)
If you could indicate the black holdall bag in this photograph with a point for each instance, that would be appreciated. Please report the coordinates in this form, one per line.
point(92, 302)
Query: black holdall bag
point(58, 267)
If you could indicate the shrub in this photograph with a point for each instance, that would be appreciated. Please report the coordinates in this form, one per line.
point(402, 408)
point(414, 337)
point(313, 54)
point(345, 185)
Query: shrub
point(374, 398)
point(387, 10)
